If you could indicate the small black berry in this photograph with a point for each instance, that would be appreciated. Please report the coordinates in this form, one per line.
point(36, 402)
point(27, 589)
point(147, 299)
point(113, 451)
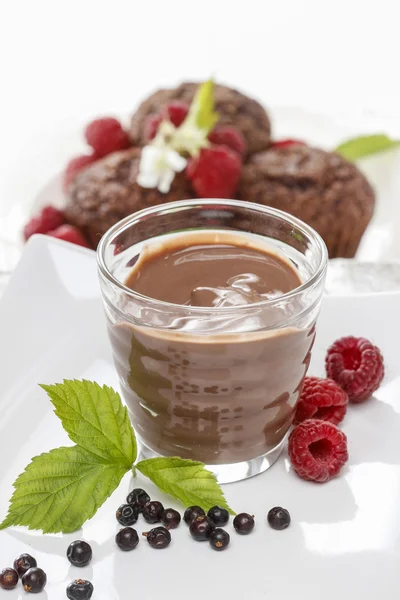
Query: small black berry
point(80, 589)
point(170, 518)
point(127, 538)
point(34, 580)
point(201, 528)
point(127, 515)
point(79, 553)
point(192, 513)
point(23, 563)
point(8, 579)
point(153, 511)
point(138, 498)
point(279, 518)
point(158, 538)
point(219, 539)
point(243, 523)
point(218, 515)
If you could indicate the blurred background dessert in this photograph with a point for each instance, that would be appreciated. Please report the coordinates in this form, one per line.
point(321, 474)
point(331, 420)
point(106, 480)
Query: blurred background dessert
point(321, 188)
point(239, 161)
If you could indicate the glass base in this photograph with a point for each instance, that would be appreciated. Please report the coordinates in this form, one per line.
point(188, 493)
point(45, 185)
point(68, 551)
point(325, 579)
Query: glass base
point(232, 472)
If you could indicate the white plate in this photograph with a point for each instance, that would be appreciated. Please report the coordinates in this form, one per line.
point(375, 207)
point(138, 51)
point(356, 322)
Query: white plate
point(344, 538)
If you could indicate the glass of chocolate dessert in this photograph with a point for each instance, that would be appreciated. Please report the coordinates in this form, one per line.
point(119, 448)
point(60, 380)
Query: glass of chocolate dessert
point(211, 308)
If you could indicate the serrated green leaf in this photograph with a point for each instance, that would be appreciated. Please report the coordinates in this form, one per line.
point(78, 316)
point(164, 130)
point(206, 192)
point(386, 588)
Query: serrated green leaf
point(61, 489)
point(366, 145)
point(201, 112)
point(95, 418)
point(185, 480)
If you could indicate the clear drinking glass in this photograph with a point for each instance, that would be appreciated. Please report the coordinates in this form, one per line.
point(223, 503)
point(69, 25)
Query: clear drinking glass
point(218, 385)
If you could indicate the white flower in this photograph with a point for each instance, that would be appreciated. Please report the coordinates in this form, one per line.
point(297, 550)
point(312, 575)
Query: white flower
point(189, 138)
point(158, 165)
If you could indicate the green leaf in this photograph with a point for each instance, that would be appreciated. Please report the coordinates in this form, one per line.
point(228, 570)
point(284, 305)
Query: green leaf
point(60, 490)
point(366, 145)
point(185, 480)
point(95, 418)
point(201, 112)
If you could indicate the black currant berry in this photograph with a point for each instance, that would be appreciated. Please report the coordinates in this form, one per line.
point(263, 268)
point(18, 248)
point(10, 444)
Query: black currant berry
point(79, 553)
point(243, 523)
point(219, 539)
point(218, 515)
point(201, 528)
point(192, 513)
point(279, 518)
point(127, 515)
point(138, 498)
point(34, 580)
point(80, 589)
point(127, 539)
point(8, 579)
point(23, 563)
point(158, 538)
point(170, 518)
point(153, 511)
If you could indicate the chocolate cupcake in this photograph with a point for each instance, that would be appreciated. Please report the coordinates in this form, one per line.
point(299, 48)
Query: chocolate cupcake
point(233, 107)
point(107, 191)
point(321, 188)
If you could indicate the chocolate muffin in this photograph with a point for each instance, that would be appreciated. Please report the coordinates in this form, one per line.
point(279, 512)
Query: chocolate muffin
point(234, 108)
point(321, 188)
point(106, 192)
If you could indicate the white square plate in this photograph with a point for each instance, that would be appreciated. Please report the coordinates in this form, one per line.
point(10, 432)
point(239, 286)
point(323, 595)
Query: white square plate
point(344, 538)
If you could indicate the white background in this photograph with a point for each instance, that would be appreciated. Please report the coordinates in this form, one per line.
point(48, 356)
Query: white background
point(63, 62)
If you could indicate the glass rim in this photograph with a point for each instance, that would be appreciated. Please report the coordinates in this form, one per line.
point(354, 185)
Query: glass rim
point(169, 207)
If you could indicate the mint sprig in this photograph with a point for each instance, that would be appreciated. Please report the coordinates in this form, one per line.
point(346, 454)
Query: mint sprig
point(366, 145)
point(95, 419)
point(201, 112)
point(186, 480)
point(61, 489)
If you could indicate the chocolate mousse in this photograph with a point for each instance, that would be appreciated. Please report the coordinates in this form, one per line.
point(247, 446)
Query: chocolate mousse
point(215, 397)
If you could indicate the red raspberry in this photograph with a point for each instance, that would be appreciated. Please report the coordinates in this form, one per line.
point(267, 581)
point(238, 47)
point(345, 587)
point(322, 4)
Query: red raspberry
point(176, 112)
point(321, 399)
point(69, 233)
point(151, 126)
point(106, 135)
point(215, 172)
point(74, 166)
point(228, 136)
point(317, 450)
point(356, 365)
point(285, 143)
point(49, 218)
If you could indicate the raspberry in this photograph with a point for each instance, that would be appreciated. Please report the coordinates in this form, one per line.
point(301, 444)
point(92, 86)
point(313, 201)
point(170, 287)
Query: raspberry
point(317, 450)
point(176, 112)
point(49, 218)
point(215, 172)
point(227, 135)
point(74, 166)
point(285, 143)
point(321, 399)
point(69, 233)
point(106, 135)
point(356, 365)
point(151, 126)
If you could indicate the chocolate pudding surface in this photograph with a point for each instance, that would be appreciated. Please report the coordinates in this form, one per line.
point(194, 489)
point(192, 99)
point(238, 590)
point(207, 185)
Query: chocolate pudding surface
point(218, 397)
point(211, 271)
